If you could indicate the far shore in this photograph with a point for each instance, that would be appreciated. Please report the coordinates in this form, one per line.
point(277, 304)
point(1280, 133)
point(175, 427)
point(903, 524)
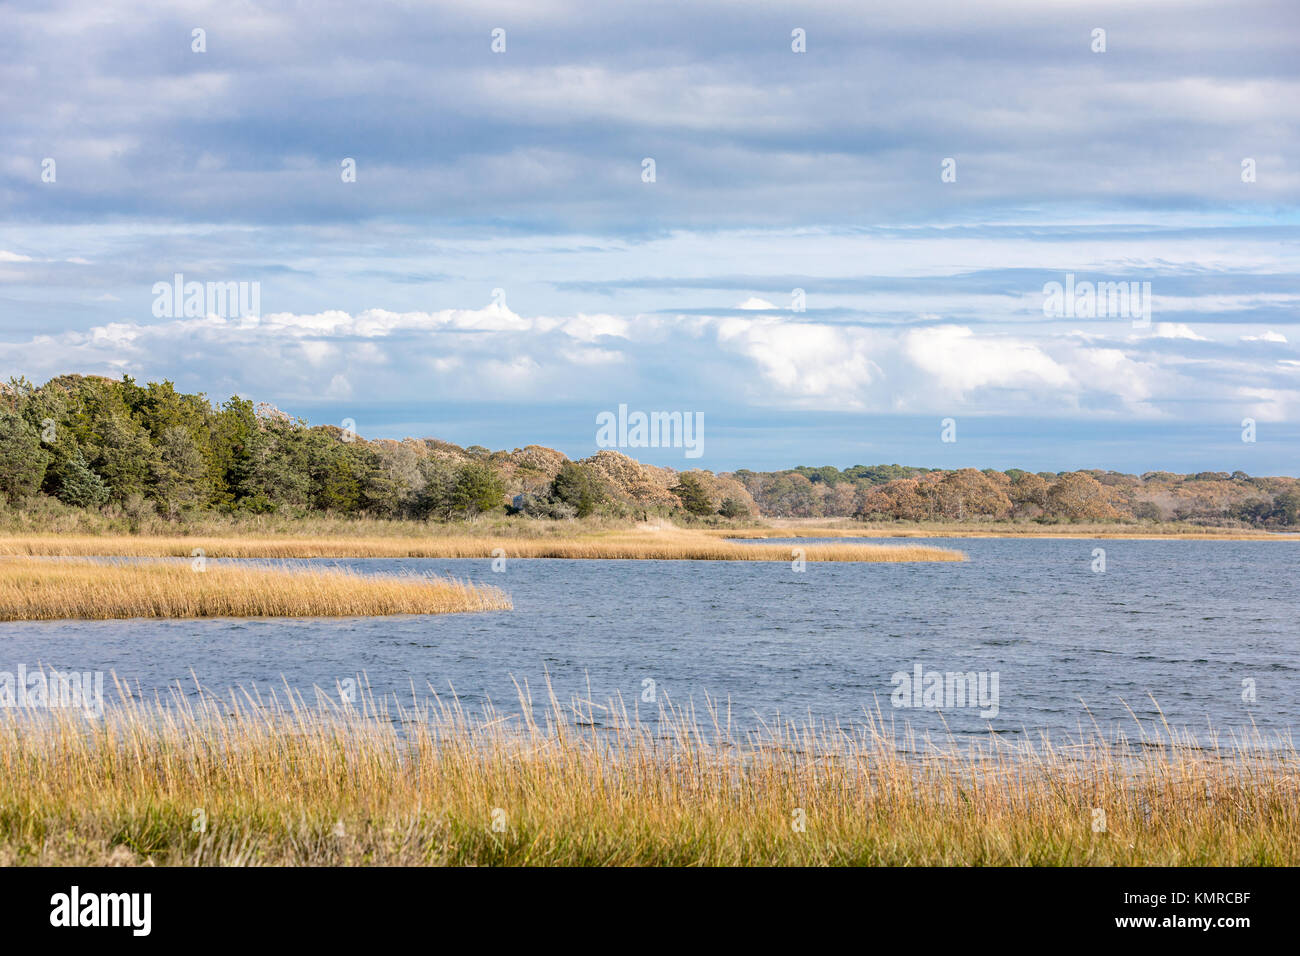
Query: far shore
point(655, 539)
point(820, 528)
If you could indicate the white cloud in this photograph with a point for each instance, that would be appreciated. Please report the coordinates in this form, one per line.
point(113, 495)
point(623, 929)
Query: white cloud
point(590, 356)
point(960, 362)
point(1176, 330)
point(339, 387)
point(1108, 371)
point(765, 358)
point(1269, 336)
point(588, 328)
point(802, 361)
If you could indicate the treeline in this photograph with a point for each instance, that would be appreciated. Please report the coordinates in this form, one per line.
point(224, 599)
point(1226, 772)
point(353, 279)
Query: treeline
point(119, 447)
point(902, 493)
point(95, 443)
point(91, 442)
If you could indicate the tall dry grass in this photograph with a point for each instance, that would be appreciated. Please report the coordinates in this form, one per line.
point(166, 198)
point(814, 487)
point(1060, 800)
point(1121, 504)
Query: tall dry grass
point(248, 779)
point(50, 516)
point(664, 544)
point(40, 590)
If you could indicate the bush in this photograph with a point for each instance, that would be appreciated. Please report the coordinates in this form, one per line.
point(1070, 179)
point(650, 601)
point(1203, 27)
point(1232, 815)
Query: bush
point(578, 488)
point(543, 506)
point(477, 489)
point(733, 508)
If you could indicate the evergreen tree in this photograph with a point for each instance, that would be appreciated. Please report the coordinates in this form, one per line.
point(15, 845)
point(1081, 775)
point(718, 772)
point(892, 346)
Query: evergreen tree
point(22, 458)
point(71, 480)
point(578, 488)
point(693, 495)
point(733, 508)
point(180, 471)
point(477, 489)
point(437, 481)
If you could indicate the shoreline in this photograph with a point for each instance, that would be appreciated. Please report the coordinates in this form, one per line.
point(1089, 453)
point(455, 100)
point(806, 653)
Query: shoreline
point(662, 542)
point(1010, 533)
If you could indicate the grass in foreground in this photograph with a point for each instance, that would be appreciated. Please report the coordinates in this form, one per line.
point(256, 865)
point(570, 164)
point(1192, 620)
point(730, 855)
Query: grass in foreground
point(248, 781)
point(663, 544)
point(41, 590)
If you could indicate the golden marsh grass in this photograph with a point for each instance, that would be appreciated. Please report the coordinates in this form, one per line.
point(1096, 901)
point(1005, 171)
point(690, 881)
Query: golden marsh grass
point(668, 544)
point(39, 590)
point(251, 780)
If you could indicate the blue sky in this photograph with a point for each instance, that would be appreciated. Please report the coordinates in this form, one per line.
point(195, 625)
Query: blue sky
point(522, 172)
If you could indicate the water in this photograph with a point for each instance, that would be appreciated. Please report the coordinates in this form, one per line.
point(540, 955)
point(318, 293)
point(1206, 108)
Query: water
point(1184, 621)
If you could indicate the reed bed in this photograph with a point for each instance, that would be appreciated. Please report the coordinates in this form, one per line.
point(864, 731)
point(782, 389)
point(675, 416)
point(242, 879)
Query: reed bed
point(32, 589)
point(252, 779)
point(671, 544)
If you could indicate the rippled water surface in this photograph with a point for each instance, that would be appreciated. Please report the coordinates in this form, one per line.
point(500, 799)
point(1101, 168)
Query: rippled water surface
point(1184, 621)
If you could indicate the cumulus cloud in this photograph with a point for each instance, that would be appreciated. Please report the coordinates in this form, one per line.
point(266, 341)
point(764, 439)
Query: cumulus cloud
point(773, 361)
point(798, 362)
point(1176, 330)
point(961, 362)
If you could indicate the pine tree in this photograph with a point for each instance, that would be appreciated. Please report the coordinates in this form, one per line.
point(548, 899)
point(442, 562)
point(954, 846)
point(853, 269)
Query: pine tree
point(577, 487)
point(477, 489)
point(694, 497)
point(71, 480)
point(22, 459)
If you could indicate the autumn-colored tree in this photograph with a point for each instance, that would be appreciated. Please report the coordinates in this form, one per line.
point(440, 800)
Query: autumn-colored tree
point(1028, 494)
point(967, 494)
point(900, 499)
point(1079, 497)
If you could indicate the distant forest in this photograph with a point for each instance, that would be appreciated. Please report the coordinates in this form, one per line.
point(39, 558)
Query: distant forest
point(122, 448)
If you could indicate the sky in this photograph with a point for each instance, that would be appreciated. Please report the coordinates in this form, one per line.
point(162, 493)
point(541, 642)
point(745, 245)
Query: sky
point(455, 241)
